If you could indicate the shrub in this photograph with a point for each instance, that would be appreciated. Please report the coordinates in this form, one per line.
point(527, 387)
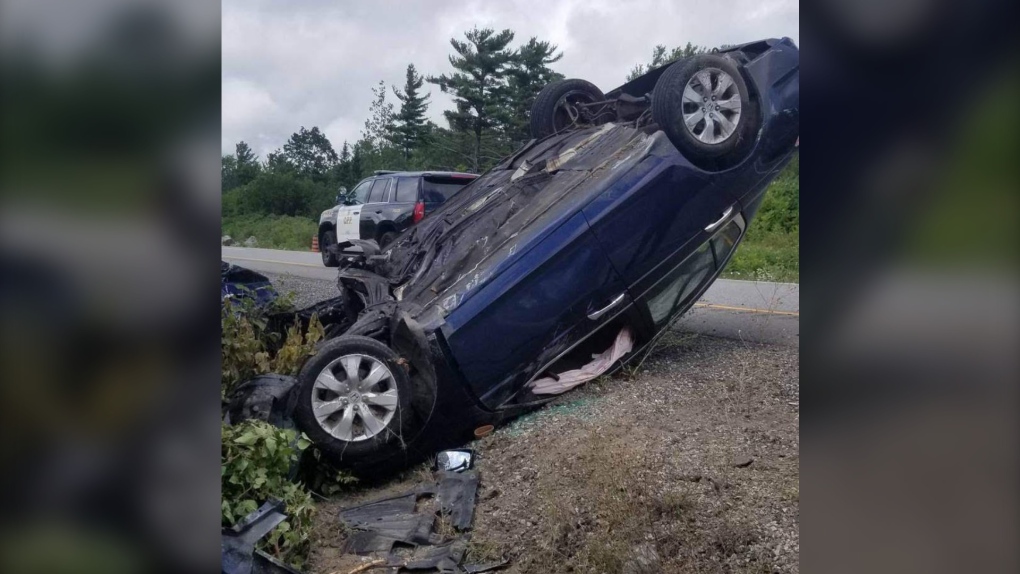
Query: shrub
point(256, 463)
point(260, 461)
point(249, 347)
point(282, 193)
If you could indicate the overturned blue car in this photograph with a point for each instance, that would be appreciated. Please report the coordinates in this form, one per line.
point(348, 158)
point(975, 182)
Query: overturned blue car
point(587, 242)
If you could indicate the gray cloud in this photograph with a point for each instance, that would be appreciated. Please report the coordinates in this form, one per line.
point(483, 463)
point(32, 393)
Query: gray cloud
point(314, 62)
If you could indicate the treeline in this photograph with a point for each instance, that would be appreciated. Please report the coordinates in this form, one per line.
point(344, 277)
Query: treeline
point(493, 85)
point(278, 199)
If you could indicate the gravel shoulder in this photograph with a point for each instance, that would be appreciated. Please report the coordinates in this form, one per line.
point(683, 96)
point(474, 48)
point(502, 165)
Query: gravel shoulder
point(688, 464)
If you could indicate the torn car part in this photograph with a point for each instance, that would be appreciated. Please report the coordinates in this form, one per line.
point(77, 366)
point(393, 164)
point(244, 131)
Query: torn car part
point(239, 282)
point(403, 529)
point(456, 494)
point(383, 523)
point(238, 552)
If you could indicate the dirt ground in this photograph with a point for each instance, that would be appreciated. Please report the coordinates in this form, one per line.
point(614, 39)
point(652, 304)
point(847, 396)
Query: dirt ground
point(689, 464)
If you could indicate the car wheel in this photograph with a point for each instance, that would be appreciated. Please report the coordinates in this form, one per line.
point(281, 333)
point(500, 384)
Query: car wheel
point(354, 401)
point(559, 106)
point(387, 238)
point(329, 258)
point(704, 107)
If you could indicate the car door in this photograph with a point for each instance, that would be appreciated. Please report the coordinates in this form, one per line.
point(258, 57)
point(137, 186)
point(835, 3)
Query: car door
point(348, 217)
point(375, 205)
point(540, 306)
point(656, 216)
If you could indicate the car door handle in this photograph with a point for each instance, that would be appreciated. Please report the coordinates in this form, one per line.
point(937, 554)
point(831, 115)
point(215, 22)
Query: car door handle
point(726, 215)
point(616, 301)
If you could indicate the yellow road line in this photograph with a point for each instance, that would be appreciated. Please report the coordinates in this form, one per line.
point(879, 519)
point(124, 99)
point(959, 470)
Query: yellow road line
point(747, 309)
point(273, 261)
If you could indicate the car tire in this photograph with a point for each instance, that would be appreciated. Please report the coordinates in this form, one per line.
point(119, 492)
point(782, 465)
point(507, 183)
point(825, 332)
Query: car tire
point(329, 257)
point(551, 113)
point(366, 442)
point(386, 238)
point(716, 132)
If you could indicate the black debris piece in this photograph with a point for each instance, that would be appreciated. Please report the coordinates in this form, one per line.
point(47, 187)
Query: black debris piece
point(267, 398)
point(238, 553)
point(382, 523)
point(457, 496)
point(444, 558)
point(487, 567)
point(400, 528)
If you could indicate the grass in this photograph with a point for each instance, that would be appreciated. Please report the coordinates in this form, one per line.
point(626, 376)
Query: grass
point(766, 256)
point(272, 231)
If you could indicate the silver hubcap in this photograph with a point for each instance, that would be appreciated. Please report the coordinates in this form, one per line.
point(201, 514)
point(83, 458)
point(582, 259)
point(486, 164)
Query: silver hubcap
point(711, 106)
point(354, 397)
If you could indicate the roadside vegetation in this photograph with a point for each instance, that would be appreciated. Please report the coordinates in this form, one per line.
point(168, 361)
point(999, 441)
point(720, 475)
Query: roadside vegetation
point(258, 461)
point(771, 249)
point(278, 199)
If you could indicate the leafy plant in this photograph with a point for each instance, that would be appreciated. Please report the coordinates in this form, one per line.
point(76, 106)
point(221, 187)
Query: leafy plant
point(249, 347)
point(256, 463)
point(260, 461)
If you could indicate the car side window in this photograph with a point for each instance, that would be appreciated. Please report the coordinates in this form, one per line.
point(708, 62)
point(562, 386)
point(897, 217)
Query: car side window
point(407, 190)
point(360, 194)
point(675, 290)
point(378, 193)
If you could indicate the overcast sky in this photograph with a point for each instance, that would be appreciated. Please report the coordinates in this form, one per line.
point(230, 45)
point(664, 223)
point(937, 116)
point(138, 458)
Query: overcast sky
point(288, 64)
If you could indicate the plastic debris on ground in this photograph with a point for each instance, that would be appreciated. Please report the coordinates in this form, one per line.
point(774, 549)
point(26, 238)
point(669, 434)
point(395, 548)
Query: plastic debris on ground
point(238, 552)
point(424, 529)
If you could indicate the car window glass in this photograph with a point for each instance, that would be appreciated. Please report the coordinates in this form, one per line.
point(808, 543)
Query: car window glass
point(434, 190)
point(672, 291)
point(378, 193)
point(725, 241)
point(360, 194)
point(407, 190)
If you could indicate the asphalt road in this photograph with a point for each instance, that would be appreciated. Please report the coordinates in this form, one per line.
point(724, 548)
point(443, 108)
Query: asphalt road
point(749, 310)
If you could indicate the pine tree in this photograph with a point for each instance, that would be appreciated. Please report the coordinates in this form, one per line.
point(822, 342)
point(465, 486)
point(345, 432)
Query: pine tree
point(478, 85)
point(411, 129)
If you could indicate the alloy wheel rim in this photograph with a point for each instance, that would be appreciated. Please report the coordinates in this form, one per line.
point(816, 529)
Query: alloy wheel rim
point(711, 106)
point(354, 397)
